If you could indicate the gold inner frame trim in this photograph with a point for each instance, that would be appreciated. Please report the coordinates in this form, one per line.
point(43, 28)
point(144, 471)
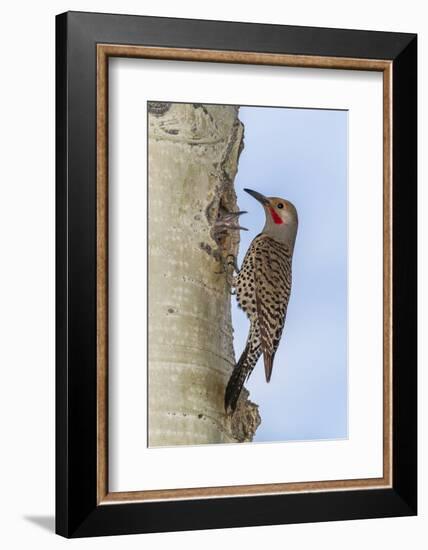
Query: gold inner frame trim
point(104, 51)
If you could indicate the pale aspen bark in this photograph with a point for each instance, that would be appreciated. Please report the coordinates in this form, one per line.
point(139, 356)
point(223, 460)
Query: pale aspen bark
point(193, 158)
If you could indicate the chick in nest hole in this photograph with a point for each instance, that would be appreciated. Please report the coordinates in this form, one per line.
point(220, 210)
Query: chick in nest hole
point(227, 221)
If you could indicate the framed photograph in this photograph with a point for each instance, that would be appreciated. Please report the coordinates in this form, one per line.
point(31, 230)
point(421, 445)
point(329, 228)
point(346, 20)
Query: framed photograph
point(236, 274)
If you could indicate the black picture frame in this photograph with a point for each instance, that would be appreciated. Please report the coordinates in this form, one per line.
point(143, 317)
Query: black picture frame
point(77, 511)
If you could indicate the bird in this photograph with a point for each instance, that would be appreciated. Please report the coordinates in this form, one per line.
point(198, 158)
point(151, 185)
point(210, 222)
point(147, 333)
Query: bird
point(226, 222)
point(263, 288)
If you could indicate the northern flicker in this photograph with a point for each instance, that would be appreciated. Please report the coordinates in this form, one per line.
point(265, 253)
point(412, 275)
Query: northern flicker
point(263, 287)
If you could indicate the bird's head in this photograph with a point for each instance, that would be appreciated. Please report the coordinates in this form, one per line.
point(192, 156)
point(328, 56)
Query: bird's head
point(281, 217)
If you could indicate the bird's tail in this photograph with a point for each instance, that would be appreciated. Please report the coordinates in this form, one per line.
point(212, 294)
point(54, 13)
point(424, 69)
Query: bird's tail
point(240, 373)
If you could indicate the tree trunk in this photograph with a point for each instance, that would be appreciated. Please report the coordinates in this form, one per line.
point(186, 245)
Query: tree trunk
point(193, 157)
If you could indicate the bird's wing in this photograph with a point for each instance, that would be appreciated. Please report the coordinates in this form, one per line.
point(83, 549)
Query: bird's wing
point(272, 286)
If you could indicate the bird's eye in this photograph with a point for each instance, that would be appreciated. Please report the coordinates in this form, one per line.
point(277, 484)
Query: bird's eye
point(280, 205)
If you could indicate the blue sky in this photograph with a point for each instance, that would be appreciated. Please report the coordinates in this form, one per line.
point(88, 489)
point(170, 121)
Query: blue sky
point(301, 155)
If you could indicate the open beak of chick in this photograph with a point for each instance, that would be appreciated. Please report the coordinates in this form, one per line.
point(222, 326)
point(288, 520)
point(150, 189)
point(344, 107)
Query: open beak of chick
point(226, 221)
point(229, 221)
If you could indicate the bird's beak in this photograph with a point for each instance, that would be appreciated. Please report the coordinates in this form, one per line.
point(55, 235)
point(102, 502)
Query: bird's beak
point(258, 196)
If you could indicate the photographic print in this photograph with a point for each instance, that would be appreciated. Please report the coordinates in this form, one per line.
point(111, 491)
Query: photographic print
point(234, 245)
point(247, 274)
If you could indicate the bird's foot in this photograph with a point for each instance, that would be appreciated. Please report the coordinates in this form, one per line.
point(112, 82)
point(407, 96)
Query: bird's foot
point(229, 266)
point(233, 263)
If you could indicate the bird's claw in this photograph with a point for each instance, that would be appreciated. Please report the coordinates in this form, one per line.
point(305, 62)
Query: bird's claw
point(234, 262)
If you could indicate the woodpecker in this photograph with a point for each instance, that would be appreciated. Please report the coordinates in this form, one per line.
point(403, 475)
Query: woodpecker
point(263, 287)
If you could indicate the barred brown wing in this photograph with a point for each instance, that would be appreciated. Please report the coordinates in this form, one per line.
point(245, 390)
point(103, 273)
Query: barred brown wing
point(272, 280)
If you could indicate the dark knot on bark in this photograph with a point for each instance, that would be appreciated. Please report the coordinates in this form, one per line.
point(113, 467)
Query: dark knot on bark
point(157, 108)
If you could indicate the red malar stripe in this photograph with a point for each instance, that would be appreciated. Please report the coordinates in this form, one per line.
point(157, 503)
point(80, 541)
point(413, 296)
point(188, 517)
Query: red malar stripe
point(275, 216)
